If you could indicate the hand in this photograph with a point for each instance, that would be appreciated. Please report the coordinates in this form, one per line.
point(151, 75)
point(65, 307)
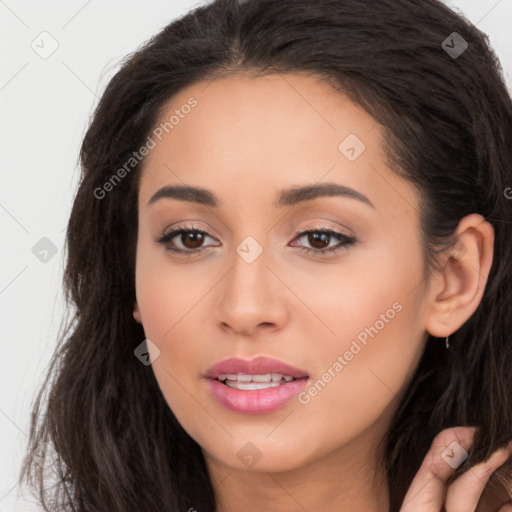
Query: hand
point(429, 492)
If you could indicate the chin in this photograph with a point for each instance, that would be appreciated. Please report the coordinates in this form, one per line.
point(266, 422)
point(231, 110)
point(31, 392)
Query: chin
point(260, 455)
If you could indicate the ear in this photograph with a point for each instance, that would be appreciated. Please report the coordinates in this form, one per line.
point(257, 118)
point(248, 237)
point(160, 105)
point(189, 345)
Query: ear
point(136, 313)
point(457, 289)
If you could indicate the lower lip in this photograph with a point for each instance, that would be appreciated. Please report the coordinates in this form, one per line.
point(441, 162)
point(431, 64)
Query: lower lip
point(256, 401)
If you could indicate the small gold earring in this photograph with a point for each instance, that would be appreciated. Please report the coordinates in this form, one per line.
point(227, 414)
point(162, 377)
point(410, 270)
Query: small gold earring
point(447, 344)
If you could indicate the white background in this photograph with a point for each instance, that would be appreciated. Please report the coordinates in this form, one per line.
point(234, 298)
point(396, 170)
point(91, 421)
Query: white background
point(45, 105)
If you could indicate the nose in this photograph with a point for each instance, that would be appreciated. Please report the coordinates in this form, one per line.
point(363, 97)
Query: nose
point(252, 297)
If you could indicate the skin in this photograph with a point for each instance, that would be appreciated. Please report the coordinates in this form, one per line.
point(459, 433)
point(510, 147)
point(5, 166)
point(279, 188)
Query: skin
point(245, 141)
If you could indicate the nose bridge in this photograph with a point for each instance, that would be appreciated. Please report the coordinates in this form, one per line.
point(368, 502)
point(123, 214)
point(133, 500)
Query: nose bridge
point(249, 294)
point(249, 275)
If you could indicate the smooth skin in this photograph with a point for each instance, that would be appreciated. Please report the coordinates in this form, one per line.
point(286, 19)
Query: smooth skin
point(247, 140)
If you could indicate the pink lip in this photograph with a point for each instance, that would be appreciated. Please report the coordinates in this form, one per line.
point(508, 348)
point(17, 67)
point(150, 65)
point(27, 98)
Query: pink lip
point(258, 401)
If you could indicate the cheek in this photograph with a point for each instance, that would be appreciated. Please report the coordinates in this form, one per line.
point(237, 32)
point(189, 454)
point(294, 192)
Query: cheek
point(358, 384)
point(166, 300)
point(166, 292)
point(371, 307)
point(361, 293)
point(168, 307)
point(375, 311)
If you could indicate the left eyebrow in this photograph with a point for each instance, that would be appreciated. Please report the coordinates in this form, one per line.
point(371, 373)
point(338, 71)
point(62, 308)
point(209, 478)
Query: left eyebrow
point(293, 196)
point(287, 197)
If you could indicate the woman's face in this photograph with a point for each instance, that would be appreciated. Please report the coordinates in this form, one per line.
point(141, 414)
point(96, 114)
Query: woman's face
point(350, 322)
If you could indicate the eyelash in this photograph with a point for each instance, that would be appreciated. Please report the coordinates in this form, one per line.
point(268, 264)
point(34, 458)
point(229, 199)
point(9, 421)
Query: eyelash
point(345, 240)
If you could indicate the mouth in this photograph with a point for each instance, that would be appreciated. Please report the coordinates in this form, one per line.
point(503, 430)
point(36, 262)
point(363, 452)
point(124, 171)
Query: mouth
point(258, 386)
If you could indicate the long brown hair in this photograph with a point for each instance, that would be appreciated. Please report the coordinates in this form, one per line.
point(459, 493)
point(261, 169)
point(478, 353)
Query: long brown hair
point(448, 123)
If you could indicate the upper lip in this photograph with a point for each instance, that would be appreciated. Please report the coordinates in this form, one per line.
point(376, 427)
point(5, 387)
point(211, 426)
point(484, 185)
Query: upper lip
point(257, 366)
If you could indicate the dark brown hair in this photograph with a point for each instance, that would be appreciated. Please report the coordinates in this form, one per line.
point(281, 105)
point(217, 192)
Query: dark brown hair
point(447, 122)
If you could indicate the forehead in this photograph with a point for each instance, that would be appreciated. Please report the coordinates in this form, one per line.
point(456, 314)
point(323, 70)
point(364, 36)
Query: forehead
point(264, 133)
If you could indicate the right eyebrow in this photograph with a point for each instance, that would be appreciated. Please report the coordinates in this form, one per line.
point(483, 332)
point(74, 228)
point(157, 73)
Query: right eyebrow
point(186, 193)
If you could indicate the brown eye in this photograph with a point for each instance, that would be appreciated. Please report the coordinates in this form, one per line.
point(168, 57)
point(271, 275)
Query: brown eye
point(319, 240)
point(184, 241)
point(192, 239)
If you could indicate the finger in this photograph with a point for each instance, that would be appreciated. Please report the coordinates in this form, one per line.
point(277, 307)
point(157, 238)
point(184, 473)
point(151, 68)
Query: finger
point(428, 488)
point(465, 493)
point(507, 507)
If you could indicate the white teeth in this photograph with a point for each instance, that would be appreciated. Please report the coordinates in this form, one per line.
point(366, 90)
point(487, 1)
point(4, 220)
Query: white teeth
point(262, 378)
point(245, 381)
point(251, 385)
